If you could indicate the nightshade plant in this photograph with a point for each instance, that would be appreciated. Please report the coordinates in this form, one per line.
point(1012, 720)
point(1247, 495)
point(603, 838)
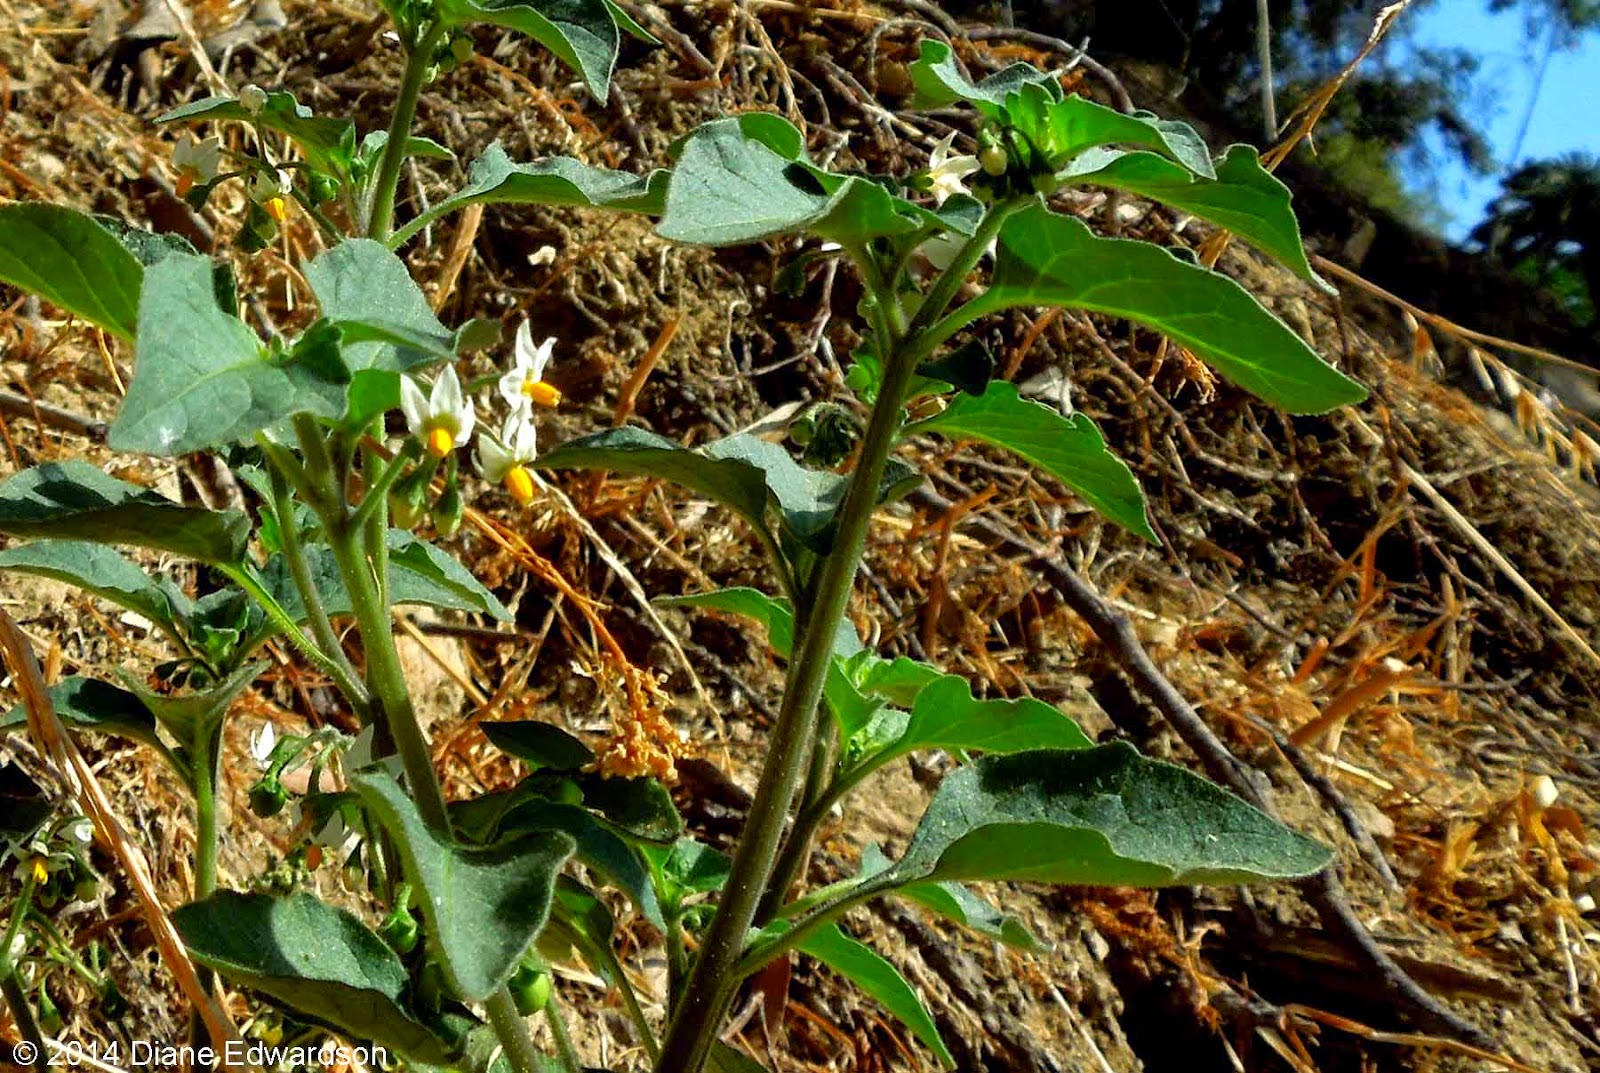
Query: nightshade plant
point(302, 420)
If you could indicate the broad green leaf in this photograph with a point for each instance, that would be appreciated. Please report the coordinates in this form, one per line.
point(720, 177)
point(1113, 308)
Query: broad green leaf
point(421, 573)
point(642, 808)
point(1070, 448)
point(1104, 816)
point(947, 716)
point(940, 82)
point(598, 846)
point(74, 500)
point(687, 867)
point(1048, 259)
point(956, 903)
point(582, 33)
point(195, 719)
point(746, 178)
point(539, 745)
point(1062, 128)
point(328, 144)
point(314, 958)
point(70, 261)
point(875, 975)
point(374, 142)
point(496, 180)
point(202, 378)
point(147, 247)
point(744, 473)
point(101, 571)
point(1245, 198)
point(23, 805)
point(483, 906)
point(363, 287)
point(90, 704)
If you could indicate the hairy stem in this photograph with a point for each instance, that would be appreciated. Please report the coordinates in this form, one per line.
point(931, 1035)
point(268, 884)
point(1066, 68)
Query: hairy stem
point(294, 555)
point(512, 1031)
point(405, 113)
point(711, 984)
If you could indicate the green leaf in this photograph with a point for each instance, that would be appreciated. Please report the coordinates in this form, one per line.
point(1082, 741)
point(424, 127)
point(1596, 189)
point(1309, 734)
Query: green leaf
point(843, 698)
point(1245, 198)
point(641, 808)
point(1104, 816)
point(947, 716)
point(496, 180)
point(725, 1058)
point(1062, 128)
point(955, 902)
point(687, 867)
point(74, 500)
point(582, 33)
point(483, 906)
point(147, 247)
point(746, 178)
point(1069, 448)
point(23, 805)
point(202, 379)
point(744, 473)
point(314, 958)
point(101, 571)
point(874, 974)
point(1048, 259)
point(70, 261)
point(368, 291)
point(598, 846)
point(419, 573)
point(539, 745)
point(328, 144)
point(195, 719)
point(940, 82)
point(90, 704)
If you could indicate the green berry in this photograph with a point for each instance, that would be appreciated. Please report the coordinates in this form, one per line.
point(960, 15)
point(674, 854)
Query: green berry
point(267, 797)
point(462, 48)
point(530, 989)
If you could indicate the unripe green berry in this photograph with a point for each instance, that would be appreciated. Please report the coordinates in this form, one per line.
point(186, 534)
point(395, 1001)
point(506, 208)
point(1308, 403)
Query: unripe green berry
point(267, 797)
point(993, 160)
point(530, 989)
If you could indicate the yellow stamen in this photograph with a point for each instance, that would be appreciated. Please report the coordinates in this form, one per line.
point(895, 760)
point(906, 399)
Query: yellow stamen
point(185, 182)
point(519, 482)
point(40, 872)
point(440, 441)
point(541, 393)
point(276, 208)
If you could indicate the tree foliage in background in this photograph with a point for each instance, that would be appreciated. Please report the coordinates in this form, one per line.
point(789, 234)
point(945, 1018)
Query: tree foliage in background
point(1384, 134)
point(1545, 226)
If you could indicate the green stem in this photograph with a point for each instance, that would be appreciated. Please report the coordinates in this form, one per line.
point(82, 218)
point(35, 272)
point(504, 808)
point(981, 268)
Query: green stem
point(378, 491)
point(294, 555)
point(405, 113)
point(710, 988)
point(22, 1015)
point(570, 1062)
point(677, 963)
point(828, 909)
point(205, 820)
point(242, 577)
point(512, 1031)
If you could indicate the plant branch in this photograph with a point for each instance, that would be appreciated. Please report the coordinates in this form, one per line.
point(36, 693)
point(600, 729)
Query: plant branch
point(381, 215)
point(294, 555)
point(512, 1031)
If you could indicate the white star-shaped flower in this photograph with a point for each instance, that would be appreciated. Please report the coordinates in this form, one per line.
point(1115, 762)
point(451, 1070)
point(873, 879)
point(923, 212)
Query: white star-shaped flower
point(524, 386)
point(270, 190)
point(197, 161)
point(504, 459)
point(947, 173)
point(262, 742)
point(444, 418)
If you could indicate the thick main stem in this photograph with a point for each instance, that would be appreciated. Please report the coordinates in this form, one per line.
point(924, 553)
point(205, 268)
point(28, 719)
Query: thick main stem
point(405, 113)
point(711, 984)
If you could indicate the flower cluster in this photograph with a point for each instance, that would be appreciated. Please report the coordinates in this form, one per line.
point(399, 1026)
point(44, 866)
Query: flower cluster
point(444, 419)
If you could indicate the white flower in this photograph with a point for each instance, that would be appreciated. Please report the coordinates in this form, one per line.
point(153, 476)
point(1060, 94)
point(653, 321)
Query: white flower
point(524, 387)
point(79, 830)
point(444, 419)
point(253, 98)
point(197, 162)
point(270, 190)
point(947, 173)
point(262, 742)
point(504, 459)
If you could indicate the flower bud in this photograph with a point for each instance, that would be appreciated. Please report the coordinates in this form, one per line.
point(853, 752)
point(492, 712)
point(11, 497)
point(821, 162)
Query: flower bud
point(253, 98)
point(447, 514)
point(399, 929)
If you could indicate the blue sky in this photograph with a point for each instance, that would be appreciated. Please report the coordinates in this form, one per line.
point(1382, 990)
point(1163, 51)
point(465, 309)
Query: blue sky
point(1565, 116)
